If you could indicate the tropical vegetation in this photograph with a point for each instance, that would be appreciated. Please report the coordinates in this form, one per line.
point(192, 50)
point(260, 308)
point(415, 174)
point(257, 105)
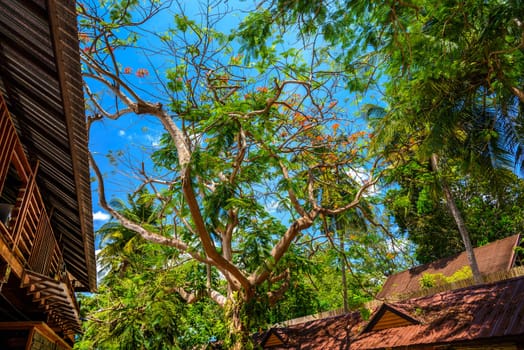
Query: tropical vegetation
point(302, 152)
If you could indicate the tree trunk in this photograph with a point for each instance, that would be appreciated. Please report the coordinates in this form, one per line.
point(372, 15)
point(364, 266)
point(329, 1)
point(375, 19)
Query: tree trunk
point(238, 337)
point(457, 216)
point(341, 234)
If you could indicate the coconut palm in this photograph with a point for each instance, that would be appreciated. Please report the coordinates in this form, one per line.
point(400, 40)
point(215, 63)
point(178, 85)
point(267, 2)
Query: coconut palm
point(121, 247)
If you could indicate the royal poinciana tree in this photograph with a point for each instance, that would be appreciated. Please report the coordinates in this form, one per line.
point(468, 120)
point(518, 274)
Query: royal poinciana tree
point(239, 140)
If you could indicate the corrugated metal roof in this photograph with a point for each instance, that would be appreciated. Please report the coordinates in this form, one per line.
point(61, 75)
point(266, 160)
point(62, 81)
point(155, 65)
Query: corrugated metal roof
point(41, 81)
point(480, 313)
point(485, 314)
point(494, 257)
point(327, 333)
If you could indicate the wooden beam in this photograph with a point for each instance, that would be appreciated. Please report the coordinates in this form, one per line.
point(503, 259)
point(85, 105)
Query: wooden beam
point(42, 298)
point(6, 254)
point(41, 327)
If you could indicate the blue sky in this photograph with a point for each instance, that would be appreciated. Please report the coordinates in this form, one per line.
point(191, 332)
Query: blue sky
point(133, 134)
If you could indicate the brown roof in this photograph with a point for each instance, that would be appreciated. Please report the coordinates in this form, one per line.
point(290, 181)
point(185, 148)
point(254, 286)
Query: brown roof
point(493, 257)
point(479, 314)
point(41, 81)
point(489, 313)
point(322, 334)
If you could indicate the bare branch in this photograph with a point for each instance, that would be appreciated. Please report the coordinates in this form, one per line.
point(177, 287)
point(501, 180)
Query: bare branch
point(191, 298)
point(102, 111)
point(144, 233)
point(292, 196)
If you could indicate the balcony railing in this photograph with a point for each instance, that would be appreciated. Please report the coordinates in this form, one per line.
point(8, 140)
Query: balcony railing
point(28, 232)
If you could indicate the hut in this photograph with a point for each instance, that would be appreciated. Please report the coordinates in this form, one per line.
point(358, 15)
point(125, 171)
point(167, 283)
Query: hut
point(487, 316)
point(46, 230)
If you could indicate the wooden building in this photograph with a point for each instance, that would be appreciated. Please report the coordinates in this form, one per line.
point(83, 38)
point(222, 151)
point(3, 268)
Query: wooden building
point(46, 230)
point(487, 316)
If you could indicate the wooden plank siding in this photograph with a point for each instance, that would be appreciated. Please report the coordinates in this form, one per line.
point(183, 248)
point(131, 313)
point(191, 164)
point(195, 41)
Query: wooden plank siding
point(29, 235)
point(27, 243)
point(390, 320)
point(273, 340)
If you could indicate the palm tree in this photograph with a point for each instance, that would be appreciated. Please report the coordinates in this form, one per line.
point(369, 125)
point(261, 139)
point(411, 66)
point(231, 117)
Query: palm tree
point(121, 247)
point(463, 133)
point(455, 76)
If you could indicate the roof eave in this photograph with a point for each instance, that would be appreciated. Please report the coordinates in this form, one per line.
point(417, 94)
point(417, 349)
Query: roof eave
point(62, 16)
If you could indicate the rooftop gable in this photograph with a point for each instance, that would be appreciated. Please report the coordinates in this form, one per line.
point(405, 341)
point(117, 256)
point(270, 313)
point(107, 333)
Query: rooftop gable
point(387, 316)
point(478, 313)
point(272, 339)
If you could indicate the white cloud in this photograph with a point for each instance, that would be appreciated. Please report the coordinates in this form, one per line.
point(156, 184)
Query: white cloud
point(153, 140)
point(101, 216)
point(361, 176)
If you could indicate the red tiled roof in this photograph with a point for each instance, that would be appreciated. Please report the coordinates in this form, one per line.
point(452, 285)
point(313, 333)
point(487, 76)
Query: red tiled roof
point(494, 257)
point(480, 313)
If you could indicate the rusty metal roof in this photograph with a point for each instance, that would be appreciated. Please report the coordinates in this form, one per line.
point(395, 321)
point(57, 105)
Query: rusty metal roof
point(475, 314)
point(493, 257)
point(327, 333)
point(41, 81)
point(483, 314)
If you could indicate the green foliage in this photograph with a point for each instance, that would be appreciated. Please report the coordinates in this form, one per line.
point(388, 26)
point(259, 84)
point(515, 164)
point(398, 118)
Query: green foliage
point(255, 153)
point(430, 280)
point(140, 311)
point(463, 104)
point(256, 30)
point(136, 305)
point(353, 263)
point(492, 210)
point(461, 107)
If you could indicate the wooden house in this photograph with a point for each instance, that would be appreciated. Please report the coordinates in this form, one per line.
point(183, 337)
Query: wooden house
point(487, 316)
point(46, 230)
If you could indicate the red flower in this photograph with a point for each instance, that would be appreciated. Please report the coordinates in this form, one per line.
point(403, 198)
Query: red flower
point(83, 37)
point(332, 104)
point(142, 72)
